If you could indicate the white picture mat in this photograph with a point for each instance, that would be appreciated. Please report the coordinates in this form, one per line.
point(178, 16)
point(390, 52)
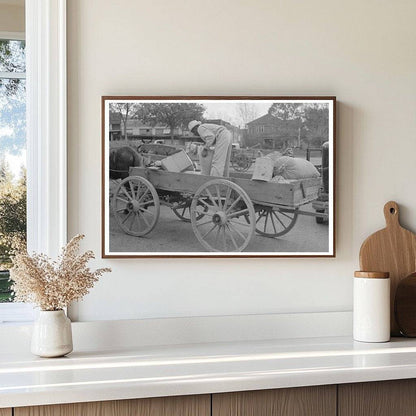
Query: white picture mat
point(331, 152)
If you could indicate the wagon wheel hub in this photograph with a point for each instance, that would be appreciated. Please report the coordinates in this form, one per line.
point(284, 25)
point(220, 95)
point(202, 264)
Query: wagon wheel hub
point(219, 218)
point(133, 206)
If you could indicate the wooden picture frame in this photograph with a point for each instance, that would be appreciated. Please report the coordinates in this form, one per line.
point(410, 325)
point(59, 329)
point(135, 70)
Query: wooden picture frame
point(156, 203)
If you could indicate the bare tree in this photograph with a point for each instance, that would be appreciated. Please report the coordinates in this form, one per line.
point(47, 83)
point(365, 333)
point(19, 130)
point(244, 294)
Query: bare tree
point(126, 111)
point(247, 112)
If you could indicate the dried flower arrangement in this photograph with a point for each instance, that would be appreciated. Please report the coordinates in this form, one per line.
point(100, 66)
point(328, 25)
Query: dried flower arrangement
point(53, 285)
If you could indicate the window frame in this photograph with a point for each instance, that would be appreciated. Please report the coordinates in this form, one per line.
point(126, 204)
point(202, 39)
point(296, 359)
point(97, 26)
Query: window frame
point(46, 137)
point(46, 125)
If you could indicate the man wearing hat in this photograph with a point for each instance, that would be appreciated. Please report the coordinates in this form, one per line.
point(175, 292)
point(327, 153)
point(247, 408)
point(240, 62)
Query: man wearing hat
point(219, 138)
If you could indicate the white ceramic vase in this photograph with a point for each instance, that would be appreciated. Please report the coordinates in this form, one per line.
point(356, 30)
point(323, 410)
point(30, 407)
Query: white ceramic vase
point(52, 334)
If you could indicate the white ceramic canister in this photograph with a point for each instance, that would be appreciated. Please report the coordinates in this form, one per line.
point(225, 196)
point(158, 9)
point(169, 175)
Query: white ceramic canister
point(371, 313)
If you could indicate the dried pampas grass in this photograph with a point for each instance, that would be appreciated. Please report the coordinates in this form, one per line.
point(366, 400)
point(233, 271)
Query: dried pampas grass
point(53, 285)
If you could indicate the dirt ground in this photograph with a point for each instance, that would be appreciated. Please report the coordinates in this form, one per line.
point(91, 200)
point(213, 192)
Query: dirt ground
point(173, 235)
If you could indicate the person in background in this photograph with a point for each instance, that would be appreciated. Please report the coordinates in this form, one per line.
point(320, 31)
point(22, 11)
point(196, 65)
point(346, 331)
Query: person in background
point(218, 137)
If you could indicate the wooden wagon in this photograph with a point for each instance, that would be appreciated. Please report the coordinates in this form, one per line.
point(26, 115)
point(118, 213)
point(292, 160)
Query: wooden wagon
point(242, 159)
point(224, 213)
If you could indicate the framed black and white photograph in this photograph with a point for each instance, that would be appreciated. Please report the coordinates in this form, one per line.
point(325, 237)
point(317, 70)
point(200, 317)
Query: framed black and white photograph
point(218, 176)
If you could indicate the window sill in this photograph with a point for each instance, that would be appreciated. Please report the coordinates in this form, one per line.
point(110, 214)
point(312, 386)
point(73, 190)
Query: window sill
point(16, 313)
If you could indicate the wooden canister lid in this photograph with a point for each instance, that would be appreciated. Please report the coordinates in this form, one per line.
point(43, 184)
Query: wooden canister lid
point(372, 275)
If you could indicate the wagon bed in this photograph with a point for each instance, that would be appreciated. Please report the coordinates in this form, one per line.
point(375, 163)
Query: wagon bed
point(293, 194)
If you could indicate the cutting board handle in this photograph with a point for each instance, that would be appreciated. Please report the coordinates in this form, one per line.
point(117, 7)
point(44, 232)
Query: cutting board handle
point(391, 214)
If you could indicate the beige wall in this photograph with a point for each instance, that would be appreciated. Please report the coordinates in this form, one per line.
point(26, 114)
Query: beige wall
point(361, 51)
point(12, 18)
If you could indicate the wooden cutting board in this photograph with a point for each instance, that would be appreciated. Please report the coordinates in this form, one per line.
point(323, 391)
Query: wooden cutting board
point(393, 250)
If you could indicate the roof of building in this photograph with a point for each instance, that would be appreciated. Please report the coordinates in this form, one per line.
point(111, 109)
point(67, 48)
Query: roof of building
point(221, 123)
point(269, 119)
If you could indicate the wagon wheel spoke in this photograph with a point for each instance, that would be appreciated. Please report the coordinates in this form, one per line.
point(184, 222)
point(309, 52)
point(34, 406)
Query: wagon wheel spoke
point(204, 223)
point(143, 195)
point(274, 226)
point(204, 203)
point(127, 217)
point(286, 215)
point(217, 188)
point(260, 216)
point(278, 219)
point(265, 221)
point(141, 210)
point(126, 193)
point(143, 218)
point(131, 186)
point(232, 237)
point(143, 204)
point(134, 222)
point(214, 202)
point(238, 232)
point(233, 205)
point(227, 198)
point(123, 200)
point(239, 223)
point(210, 230)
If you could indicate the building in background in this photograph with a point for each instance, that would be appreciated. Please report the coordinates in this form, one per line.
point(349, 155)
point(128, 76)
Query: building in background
point(270, 132)
point(115, 126)
point(137, 129)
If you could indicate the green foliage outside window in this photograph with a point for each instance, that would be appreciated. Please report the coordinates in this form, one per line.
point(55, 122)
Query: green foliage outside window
point(12, 223)
point(12, 144)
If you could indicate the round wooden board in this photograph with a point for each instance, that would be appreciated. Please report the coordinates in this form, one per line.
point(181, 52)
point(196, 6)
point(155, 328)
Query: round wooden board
point(405, 306)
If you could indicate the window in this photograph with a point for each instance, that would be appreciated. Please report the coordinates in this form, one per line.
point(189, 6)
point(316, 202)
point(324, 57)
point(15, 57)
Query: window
point(12, 155)
point(45, 26)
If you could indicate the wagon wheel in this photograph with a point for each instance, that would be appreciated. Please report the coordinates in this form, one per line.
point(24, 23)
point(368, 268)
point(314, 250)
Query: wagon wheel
point(228, 221)
point(136, 206)
point(274, 221)
point(241, 163)
point(183, 211)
